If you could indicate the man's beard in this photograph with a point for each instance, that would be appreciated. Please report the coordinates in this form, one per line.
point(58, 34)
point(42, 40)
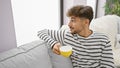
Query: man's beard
point(74, 32)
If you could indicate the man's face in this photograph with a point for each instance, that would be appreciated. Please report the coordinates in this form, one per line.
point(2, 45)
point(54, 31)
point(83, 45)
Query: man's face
point(77, 24)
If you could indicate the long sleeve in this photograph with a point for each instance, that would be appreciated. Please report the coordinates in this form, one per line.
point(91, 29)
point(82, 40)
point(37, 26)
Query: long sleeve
point(51, 36)
point(107, 57)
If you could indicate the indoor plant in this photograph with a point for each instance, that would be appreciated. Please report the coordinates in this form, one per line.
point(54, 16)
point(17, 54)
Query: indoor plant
point(112, 7)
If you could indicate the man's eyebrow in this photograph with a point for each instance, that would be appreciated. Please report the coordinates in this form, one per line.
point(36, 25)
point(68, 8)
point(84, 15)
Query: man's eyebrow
point(72, 17)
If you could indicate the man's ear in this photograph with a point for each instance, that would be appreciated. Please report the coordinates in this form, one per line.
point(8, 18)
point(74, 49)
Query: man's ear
point(87, 21)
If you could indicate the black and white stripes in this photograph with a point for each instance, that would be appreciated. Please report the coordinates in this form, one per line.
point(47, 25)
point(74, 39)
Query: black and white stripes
point(91, 52)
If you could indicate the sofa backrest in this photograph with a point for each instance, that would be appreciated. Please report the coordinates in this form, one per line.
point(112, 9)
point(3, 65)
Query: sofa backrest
point(31, 55)
point(36, 54)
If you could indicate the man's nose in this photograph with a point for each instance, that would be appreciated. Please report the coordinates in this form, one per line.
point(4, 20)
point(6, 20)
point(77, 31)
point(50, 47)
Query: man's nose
point(69, 24)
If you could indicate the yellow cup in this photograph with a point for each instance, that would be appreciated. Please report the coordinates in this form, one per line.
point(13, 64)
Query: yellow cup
point(66, 51)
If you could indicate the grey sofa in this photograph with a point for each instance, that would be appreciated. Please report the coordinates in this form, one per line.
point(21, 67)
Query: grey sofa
point(36, 54)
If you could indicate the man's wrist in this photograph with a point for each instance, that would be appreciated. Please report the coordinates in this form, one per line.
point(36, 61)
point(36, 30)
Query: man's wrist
point(53, 44)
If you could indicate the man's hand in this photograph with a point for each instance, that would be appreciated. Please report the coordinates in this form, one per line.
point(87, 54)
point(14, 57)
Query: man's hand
point(56, 48)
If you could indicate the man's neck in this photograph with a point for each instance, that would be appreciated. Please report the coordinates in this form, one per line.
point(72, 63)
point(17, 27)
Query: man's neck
point(85, 33)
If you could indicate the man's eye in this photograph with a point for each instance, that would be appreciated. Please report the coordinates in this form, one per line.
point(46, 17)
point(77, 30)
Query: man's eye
point(72, 20)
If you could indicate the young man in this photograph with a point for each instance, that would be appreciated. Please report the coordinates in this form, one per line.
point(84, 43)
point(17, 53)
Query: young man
point(90, 49)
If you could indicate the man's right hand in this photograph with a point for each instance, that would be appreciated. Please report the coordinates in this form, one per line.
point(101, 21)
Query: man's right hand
point(56, 48)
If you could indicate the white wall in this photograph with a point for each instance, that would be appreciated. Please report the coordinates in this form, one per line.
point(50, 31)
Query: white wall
point(31, 16)
point(7, 32)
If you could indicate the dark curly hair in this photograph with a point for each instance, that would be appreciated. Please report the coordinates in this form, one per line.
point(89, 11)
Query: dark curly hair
point(81, 12)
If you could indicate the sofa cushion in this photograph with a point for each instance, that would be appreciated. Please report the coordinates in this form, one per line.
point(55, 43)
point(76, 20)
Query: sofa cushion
point(107, 25)
point(116, 55)
point(59, 61)
point(117, 46)
point(31, 55)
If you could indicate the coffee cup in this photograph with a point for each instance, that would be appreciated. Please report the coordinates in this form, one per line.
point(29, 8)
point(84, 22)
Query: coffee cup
point(65, 51)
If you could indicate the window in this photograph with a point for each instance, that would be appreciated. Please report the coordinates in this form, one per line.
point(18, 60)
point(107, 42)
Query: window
point(92, 3)
point(31, 16)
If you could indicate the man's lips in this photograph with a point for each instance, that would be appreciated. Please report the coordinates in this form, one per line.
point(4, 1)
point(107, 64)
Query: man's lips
point(71, 28)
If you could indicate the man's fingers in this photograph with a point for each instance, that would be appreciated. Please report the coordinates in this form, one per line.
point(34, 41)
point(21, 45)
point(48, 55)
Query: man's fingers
point(56, 51)
point(56, 48)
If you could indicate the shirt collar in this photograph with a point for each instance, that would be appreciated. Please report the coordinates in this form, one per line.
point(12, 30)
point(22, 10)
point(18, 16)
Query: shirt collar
point(76, 36)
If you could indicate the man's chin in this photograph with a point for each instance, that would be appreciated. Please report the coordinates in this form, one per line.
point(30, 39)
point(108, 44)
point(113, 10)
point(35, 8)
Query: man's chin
point(72, 32)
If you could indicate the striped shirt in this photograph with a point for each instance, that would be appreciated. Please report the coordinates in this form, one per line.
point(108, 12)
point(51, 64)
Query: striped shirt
point(91, 52)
